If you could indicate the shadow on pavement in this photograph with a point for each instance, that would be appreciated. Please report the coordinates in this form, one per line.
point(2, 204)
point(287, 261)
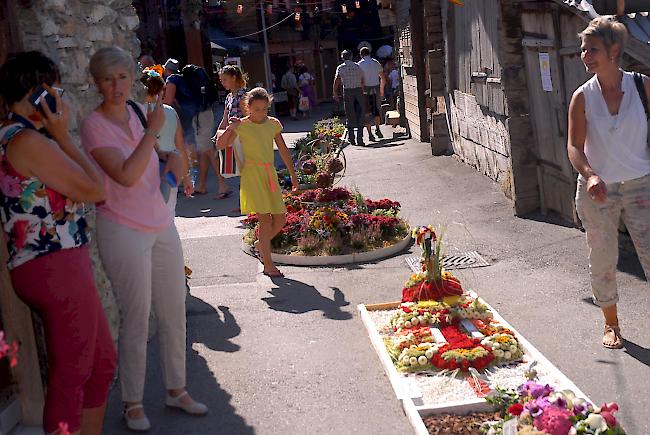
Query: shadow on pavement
point(384, 143)
point(637, 352)
point(549, 218)
point(208, 328)
point(206, 333)
point(208, 206)
point(296, 297)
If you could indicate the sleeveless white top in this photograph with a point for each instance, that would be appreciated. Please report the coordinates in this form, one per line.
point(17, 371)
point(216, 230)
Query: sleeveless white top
point(616, 145)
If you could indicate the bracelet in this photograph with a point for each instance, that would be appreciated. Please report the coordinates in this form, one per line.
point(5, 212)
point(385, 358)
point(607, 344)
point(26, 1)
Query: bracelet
point(151, 133)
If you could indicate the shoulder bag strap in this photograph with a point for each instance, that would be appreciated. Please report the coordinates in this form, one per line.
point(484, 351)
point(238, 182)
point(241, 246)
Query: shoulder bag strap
point(638, 81)
point(138, 112)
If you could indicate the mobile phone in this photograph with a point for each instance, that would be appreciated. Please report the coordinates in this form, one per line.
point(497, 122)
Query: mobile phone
point(41, 93)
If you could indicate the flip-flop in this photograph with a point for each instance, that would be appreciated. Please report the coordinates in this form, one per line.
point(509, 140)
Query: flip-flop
point(618, 343)
point(223, 195)
point(199, 192)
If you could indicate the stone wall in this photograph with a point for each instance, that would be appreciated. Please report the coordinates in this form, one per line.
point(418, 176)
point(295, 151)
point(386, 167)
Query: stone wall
point(70, 32)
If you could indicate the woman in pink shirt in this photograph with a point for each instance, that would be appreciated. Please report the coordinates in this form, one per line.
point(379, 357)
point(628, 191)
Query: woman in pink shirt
point(136, 236)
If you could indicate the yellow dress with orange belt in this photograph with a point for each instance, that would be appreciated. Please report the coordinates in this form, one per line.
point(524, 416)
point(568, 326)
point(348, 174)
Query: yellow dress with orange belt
point(260, 191)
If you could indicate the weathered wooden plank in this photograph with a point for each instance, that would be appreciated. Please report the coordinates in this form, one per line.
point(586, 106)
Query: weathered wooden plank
point(17, 321)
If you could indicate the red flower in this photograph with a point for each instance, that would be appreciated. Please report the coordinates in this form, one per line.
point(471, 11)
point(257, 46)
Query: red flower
point(57, 201)
point(20, 233)
point(516, 409)
point(63, 429)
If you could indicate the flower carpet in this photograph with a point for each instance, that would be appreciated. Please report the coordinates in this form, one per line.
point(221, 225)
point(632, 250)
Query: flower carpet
point(459, 368)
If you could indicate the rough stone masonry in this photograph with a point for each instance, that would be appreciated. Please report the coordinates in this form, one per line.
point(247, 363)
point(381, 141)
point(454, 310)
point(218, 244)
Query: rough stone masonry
point(70, 32)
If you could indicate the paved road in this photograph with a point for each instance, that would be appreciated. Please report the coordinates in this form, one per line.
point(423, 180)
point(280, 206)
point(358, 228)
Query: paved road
point(292, 356)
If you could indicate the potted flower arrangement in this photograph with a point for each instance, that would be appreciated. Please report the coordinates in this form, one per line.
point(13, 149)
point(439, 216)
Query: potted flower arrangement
point(432, 282)
point(539, 408)
point(318, 159)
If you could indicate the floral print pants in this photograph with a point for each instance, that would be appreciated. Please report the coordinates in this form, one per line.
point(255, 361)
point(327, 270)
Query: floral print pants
point(629, 200)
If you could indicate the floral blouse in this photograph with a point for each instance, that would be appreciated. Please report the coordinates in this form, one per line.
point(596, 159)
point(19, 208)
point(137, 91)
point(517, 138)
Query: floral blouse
point(232, 103)
point(36, 219)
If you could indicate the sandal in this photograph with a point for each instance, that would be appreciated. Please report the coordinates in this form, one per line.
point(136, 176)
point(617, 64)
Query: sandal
point(256, 252)
point(223, 195)
point(199, 192)
point(618, 339)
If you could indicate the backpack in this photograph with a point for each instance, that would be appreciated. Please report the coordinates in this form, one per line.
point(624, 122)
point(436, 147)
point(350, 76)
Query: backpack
point(200, 87)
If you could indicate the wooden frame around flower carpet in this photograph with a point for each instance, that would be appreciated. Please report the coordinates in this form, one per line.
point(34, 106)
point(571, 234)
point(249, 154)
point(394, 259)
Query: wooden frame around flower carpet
point(411, 399)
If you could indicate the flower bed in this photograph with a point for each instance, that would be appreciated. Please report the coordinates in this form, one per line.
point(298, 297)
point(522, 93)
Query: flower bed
point(333, 221)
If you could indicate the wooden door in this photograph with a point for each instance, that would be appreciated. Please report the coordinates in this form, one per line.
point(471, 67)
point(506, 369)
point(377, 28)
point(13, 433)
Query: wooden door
point(549, 97)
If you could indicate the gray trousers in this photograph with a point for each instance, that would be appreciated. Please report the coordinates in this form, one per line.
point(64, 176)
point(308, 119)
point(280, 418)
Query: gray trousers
point(354, 103)
point(146, 271)
point(629, 200)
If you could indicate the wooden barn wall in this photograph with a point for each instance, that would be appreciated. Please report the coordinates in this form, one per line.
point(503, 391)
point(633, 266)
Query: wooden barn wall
point(478, 112)
point(436, 76)
point(411, 42)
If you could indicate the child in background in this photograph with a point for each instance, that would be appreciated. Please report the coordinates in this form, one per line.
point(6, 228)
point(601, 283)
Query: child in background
point(260, 191)
point(171, 134)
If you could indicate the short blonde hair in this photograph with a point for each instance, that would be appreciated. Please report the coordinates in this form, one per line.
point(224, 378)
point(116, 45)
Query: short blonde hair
point(609, 30)
point(107, 58)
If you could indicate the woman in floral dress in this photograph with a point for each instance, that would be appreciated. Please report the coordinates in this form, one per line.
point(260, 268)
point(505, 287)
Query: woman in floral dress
point(44, 180)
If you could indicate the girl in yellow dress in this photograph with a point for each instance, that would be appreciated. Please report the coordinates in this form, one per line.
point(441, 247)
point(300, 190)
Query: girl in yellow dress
point(260, 191)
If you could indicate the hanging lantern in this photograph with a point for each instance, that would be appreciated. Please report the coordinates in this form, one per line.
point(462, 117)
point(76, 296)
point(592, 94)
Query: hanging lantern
point(344, 9)
point(297, 17)
point(240, 9)
point(357, 4)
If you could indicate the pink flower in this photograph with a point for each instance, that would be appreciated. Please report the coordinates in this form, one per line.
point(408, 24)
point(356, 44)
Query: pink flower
point(10, 186)
point(8, 350)
point(554, 421)
point(63, 429)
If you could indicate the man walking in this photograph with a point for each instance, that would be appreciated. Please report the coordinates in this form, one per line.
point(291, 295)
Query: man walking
point(375, 81)
point(289, 83)
point(350, 76)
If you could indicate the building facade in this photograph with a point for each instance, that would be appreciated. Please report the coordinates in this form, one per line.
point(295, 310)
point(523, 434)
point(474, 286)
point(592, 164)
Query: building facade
point(509, 69)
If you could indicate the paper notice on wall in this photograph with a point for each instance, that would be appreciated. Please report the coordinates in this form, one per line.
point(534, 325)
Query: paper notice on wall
point(545, 70)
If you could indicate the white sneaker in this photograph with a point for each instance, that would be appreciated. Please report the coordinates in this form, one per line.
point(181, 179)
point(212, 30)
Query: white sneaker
point(194, 408)
point(141, 424)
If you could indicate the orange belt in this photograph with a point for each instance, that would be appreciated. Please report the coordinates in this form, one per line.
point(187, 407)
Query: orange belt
point(267, 167)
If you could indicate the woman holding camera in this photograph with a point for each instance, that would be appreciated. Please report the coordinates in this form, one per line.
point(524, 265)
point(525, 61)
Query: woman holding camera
point(44, 179)
point(137, 239)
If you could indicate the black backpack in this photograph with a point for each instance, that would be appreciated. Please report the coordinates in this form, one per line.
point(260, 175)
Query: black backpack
point(200, 86)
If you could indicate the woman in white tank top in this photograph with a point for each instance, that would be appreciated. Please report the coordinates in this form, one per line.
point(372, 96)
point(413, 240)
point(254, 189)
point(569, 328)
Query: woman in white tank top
point(607, 145)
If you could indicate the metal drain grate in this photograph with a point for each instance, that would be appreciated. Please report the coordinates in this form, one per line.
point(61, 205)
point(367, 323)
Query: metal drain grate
point(463, 260)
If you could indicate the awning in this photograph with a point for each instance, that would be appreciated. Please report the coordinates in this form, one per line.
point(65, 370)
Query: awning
point(218, 49)
point(235, 45)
